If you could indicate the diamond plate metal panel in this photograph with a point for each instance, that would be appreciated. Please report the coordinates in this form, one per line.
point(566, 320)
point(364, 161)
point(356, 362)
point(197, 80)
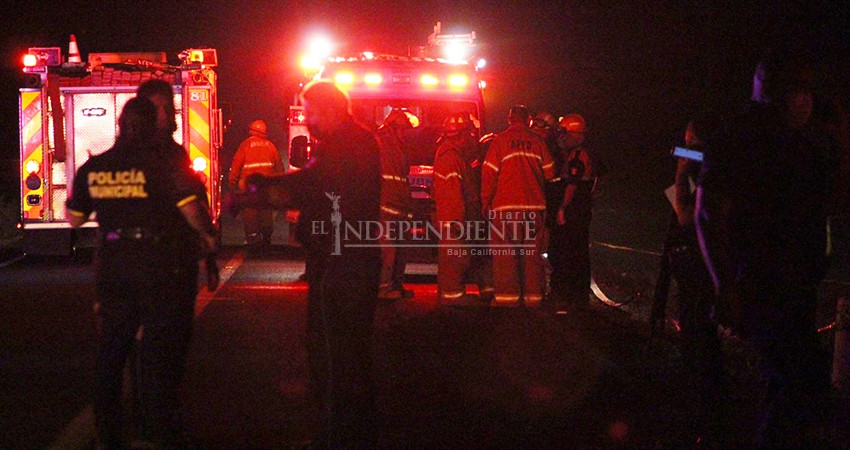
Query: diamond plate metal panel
point(95, 126)
point(58, 175)
point(58, 203)
point(178, 107)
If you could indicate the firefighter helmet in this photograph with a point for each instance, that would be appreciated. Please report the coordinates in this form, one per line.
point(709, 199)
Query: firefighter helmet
point(544, 119)
point(573, 123)
point(519, 113)
point(457, 123)
point(400, 119)
point(258, 128)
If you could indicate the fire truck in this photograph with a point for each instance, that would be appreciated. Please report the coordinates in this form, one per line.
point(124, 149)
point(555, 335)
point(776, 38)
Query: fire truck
point(69, 112)
point(425, 84)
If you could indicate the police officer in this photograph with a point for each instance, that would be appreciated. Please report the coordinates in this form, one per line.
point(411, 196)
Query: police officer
point(457, 198)
point(340, 188)
point(761, 220)
point(569, 235)
point(141, 203)
point(160, 93)
point(256, 155)
point(512, 182)
point(395, 201)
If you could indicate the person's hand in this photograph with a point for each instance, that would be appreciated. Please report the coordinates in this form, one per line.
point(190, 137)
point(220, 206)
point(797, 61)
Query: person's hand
point(209, 244)
point(562, 217)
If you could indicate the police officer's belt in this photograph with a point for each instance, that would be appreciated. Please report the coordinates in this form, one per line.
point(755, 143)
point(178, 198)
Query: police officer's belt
point(132, 234)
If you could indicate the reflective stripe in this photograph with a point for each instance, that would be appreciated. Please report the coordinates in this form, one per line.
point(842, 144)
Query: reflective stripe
point(525, 154)
point(533, 298)
point(394, 178)
point(452, 295)
point(549, 166)
point(389, 210)
point(448, 175)
point(257, 165)
point(491, 165)
point(76, 213)
point(187, 200)
point(520, 207)
point(488, 290)
point(505, 300)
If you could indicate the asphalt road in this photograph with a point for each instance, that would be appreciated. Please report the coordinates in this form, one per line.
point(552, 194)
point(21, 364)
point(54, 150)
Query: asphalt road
point(446, 377)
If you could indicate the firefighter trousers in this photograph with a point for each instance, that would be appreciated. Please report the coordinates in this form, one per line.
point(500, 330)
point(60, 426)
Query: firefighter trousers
point(516, 238)
point(259, 225)
point(393, 260)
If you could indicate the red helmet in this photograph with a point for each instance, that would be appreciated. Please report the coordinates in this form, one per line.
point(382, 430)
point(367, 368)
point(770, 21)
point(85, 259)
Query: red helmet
point(573, 123)
point(258, 128)
point(457, 123)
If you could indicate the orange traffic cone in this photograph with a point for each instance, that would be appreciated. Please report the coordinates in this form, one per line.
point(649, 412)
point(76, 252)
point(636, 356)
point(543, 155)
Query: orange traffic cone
point(73, 51)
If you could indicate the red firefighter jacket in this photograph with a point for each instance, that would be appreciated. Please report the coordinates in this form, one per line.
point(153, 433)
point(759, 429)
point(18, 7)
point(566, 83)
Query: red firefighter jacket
point(454, 192)
point(254, 155)
point(395, 189)
point(515, 170)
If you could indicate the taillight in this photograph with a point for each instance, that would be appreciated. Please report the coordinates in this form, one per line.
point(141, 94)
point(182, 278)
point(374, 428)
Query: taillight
point(32, 167)
point(199, 164)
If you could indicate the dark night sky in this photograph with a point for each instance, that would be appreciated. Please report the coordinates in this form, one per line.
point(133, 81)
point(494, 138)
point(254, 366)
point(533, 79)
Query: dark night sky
point(636, 70)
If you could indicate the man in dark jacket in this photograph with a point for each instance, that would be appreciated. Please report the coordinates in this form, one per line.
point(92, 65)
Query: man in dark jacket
point(761, 222)
point(337, 192)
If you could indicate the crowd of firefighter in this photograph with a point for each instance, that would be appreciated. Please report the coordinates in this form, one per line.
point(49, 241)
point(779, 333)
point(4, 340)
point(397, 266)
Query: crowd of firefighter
point(530, 188)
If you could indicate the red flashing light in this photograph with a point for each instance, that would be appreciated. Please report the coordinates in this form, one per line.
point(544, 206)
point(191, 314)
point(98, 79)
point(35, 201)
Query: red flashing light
point(429, 80)
point(30, 60)
point(345, 78)
point(373, 79)
point(458, 81)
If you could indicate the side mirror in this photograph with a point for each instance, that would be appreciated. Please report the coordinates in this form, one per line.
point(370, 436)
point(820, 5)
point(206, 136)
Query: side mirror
point(299, 151)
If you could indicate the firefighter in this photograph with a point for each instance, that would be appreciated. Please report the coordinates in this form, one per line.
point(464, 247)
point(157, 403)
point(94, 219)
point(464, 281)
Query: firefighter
point(512, 182)
point(569, 235)
point(395, 202)
point(256, 155)
point(141, 204)
point(457, 197)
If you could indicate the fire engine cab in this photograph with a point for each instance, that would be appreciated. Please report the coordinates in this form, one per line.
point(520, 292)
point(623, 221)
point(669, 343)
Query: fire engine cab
point(69, 112)
point(429, 86)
